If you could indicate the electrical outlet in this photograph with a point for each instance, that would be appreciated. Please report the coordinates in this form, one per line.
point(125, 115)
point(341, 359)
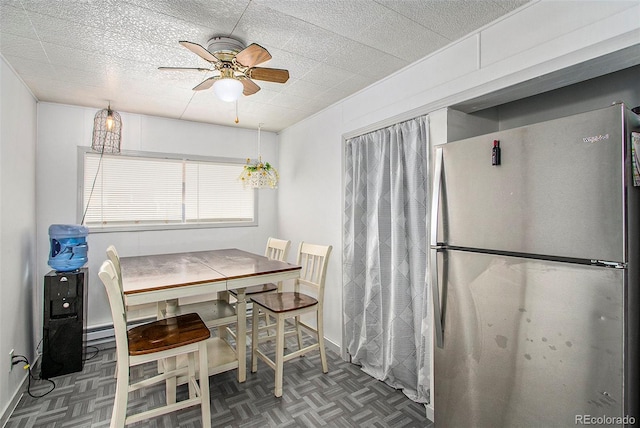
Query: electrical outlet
point(11, 360)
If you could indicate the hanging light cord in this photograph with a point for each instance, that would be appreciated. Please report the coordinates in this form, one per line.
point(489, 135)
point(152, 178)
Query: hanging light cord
point(93, 186)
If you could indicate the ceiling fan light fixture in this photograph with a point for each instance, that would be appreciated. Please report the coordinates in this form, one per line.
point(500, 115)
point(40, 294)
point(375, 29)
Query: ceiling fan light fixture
point(237, 65)
point(228, 89)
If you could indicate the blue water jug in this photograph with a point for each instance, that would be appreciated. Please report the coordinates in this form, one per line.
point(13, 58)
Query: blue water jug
point(68, 247)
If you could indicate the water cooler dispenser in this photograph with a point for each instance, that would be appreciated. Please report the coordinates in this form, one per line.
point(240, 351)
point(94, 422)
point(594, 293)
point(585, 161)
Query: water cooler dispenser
point(65, 302)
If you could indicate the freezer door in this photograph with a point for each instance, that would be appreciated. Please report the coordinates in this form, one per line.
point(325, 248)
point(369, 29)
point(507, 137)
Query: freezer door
point(527, 343)
point(558, 190)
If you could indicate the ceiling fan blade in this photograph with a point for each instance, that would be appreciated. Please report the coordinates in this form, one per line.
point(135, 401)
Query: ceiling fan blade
point(206, 84)
point(183, 68)
point(200, 51)
point(253, 54)
point(250, 87)
point(276, 75)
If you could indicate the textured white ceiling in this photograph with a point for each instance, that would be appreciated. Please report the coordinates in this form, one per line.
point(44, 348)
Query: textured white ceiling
point(92, 52)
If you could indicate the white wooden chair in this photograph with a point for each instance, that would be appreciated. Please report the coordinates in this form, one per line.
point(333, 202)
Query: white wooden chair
point(277, 249)
point(284, 305)
point(112, 254)
point(151, 342)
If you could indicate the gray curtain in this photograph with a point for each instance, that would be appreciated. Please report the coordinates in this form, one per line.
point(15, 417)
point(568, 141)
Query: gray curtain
point(385, 255)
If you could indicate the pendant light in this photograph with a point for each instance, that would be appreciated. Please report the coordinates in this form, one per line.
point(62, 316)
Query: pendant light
point(259, 174)
point(107, 130)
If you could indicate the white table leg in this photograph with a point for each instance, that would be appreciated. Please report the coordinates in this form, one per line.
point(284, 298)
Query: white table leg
point(223, 296)
point(241, 335)
point(171, 307)
point(279, 354)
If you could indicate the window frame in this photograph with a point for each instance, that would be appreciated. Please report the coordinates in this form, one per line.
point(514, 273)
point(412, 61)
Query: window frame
point(82, 150)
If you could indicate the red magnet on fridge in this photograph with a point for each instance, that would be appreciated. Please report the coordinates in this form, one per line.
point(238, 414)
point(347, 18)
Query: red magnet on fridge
point(495, 153)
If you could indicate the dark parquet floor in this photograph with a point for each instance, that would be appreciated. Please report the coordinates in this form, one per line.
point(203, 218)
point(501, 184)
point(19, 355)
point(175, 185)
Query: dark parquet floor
point(344, 397)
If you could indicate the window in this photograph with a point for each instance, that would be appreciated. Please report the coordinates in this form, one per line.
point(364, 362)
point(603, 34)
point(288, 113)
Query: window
point(151, 191)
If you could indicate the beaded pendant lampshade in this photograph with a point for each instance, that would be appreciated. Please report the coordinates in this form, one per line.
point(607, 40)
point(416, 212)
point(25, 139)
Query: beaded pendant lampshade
point(259, 174)
point(107, 130)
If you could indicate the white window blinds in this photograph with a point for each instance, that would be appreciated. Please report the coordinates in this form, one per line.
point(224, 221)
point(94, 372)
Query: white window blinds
point(141, 191)
point(213, 193)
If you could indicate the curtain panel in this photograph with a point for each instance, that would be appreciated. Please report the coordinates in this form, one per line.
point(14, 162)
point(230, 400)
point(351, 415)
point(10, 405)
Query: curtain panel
point(385, 255)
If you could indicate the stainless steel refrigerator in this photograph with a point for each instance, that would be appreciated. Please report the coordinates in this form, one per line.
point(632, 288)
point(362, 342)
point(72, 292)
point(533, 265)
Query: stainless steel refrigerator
point(535, 275)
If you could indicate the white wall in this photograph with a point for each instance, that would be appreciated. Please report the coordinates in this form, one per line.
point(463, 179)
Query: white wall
point(311, 191)
point(538, 39)
point(62, 128)
point(18, 278)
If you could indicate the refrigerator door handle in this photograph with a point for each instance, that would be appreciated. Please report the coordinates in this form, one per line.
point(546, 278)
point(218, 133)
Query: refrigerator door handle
point(435, 197)
point(437, 311)
point(435, 209)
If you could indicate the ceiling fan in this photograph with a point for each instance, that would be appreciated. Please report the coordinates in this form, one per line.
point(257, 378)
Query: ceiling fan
point(235, 67)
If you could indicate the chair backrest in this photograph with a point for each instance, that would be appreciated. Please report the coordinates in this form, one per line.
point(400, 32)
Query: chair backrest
point(115, 259)
point(313, 259)
point(109, 277)
point(277, 249)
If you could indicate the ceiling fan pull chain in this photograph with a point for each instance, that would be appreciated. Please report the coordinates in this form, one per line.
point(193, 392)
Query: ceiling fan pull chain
point(259, 151)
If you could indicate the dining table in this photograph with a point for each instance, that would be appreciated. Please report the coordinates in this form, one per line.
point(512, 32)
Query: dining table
point(165, 278)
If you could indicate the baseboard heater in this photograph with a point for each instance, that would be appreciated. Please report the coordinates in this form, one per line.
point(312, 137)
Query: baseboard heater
point(100, 335)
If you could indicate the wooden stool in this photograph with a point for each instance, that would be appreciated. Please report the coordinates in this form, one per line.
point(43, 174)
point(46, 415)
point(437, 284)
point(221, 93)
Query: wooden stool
point(158, 340)
point(281, 306)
